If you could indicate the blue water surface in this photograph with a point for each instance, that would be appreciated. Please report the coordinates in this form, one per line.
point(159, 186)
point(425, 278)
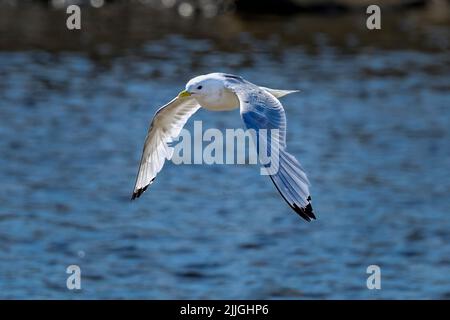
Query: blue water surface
point(371, 128)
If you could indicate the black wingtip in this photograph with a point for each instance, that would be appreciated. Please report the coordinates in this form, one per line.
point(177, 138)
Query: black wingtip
point(138, 192)
point(305, 212)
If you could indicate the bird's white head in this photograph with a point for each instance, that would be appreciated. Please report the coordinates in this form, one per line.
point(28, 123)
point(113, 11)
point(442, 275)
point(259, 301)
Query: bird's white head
point(203, 86)
point(210, 92)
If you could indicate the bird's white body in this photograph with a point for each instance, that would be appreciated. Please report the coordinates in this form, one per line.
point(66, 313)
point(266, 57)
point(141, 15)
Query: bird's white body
point(259, 108)
point(212, 95)
point(225, 100)
point(215, 96)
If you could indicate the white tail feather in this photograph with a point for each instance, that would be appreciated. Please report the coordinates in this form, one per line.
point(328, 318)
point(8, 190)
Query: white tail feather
point(279, 93)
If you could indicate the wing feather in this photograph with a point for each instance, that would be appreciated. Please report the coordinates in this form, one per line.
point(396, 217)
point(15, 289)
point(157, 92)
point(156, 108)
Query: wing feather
point(260, 109)
point(165, 126)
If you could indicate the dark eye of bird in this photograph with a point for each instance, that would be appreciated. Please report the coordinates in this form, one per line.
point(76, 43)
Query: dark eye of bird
point(199, 87)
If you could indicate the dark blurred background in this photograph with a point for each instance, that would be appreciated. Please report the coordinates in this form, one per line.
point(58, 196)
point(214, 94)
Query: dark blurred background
point(371, 127)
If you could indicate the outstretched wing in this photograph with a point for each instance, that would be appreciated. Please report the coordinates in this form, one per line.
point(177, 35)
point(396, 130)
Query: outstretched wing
point(261, 110)
point(165, 126)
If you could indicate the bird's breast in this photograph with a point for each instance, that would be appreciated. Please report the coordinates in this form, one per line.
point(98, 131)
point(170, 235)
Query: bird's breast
point(224, 101)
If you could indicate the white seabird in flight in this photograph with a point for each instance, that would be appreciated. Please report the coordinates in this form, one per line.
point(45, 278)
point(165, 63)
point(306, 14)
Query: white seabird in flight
point(260, 109)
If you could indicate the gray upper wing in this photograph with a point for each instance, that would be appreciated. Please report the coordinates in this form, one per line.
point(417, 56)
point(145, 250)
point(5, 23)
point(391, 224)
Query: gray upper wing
point(261, 110)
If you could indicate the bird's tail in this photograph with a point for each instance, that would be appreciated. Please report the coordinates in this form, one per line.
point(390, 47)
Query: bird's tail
point(293, 185)
point(277, 93)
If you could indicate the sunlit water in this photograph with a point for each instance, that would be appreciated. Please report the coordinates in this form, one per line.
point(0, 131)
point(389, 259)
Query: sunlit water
point(371, 128)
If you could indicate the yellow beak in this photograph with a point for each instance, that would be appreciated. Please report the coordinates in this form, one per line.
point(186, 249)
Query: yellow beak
point(183, 94)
